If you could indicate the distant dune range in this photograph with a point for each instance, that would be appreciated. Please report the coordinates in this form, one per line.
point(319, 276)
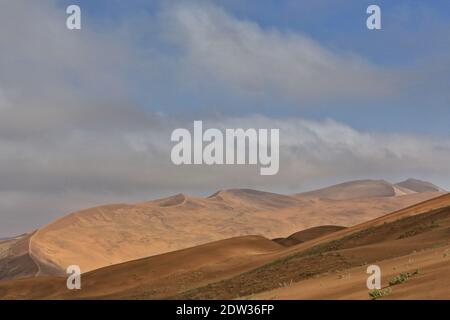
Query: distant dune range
point(113, 234)
point(328, 263)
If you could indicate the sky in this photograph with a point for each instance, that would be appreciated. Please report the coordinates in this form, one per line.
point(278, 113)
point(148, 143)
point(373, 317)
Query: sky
point(86, 115)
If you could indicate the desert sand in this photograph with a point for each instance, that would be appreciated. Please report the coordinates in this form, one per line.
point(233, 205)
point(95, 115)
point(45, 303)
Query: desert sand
point(430, 283)
point(420, 233)
point(112, 234)
point(327, 263)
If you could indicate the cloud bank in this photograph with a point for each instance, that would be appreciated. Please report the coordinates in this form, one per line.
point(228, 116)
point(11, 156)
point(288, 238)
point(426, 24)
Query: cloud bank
point(44, 178)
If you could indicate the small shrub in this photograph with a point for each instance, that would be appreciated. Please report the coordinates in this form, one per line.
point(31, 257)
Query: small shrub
point(378, 293)
point(402, 277)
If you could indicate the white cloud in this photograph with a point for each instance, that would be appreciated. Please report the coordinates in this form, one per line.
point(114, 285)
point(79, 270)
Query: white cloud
point(255, 60)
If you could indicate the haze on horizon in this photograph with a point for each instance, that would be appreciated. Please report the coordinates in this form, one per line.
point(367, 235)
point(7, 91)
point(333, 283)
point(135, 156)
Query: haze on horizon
point(86, 116)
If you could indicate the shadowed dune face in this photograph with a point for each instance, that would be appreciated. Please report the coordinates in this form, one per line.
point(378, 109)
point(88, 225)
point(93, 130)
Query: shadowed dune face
point(15, 260)
point(255, 200)
point(372, 189)
point(112, 234)
point(307, 235)
point(173, 201)
point(418, 186)
point(355, 190)
point(18, 260)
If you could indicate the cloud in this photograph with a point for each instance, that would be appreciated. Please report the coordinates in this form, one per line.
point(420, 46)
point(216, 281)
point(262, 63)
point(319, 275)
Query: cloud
point(60, 92)
point(54, 79)
point(43, 179)
point(255, 60)
point(72, 136)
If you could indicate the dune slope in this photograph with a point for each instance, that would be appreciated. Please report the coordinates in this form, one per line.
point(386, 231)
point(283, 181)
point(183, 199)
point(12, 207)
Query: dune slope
point(424, 228)
point(154, 277)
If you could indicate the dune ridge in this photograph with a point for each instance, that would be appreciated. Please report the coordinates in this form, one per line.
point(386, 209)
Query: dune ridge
point(111, 234)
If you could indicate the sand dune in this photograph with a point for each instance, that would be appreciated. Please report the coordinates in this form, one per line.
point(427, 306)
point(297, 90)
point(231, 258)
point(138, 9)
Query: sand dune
point(372, 189)
point(113, 234)
point(155, 277)
point(329, 267)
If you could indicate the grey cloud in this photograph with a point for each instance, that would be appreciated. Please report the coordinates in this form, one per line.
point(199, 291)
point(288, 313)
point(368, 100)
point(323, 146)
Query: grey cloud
point(53, 79)
point(76, 170)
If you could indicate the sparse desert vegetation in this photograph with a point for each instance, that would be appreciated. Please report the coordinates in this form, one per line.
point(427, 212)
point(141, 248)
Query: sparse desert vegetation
point(379, 293)
point(402, 277)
